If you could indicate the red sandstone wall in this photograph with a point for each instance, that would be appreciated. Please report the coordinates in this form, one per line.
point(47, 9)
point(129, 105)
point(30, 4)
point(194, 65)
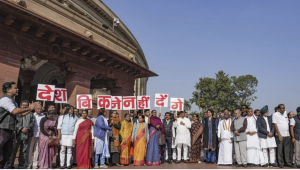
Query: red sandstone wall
point(9, 70)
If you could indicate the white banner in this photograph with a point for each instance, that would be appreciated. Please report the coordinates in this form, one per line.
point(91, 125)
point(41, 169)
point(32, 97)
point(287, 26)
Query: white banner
point(177, 104)
point(84, 101)
point(116, 102)
point(61, 95)
point(45, 92)
point(143, 102)
point(104, 101)
point(161, 100)
point(129, 103)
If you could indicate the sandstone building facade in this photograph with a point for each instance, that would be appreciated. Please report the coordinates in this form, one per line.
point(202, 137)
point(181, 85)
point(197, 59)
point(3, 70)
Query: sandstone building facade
point(71, 44)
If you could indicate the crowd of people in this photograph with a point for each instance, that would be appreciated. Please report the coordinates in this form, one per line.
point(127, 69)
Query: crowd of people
point(75, 137)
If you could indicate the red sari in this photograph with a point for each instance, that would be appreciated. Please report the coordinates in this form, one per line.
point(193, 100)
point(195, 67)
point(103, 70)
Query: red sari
point(84, 145)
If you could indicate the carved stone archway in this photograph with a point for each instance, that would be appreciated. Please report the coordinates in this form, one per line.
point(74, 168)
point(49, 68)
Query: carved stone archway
point(53, 75)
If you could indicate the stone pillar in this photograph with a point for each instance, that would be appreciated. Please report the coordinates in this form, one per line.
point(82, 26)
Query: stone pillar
point(77, 83)
point(28, 76)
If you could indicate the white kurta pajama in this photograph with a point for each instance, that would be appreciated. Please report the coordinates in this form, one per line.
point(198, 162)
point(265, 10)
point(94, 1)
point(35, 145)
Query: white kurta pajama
point(183, 137)
point(254, 153)
point(225, 146)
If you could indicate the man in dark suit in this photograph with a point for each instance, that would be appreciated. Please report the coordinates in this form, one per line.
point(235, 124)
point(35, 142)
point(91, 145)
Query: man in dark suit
point(265, 132)
point(24, 130)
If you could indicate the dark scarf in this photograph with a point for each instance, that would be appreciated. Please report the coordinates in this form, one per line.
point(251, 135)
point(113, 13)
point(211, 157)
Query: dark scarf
point(157, 121)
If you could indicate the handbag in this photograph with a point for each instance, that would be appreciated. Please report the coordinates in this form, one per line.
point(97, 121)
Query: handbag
point(161, 139)
point(54, 141)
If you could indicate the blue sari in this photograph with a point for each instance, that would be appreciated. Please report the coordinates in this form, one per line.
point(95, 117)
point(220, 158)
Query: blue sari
point(152, 157)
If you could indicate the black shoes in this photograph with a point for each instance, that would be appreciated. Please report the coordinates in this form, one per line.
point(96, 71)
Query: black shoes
point(238, 165)
point(69, 167)
point(245, 165)
point(281, 166)
point(62, 167)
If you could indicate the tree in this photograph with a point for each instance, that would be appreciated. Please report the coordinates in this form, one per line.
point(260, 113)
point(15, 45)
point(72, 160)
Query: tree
point(245, 87)
point(187, 105)
point(224, 92)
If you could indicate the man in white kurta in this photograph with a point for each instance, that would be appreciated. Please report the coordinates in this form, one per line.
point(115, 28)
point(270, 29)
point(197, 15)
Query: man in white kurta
point(225, 137)
point(183, 136)
point(253, 145)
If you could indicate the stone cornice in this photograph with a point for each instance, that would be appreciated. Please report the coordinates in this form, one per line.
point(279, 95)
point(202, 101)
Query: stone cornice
point(56, 43)
point(69, 16)
point(108, 14)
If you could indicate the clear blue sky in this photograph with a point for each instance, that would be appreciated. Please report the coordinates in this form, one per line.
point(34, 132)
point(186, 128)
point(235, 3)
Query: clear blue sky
point(184, 40)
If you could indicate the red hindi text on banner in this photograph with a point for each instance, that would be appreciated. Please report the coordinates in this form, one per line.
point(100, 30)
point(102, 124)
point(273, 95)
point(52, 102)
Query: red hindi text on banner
point(116, 102)
point(161, 100)
point(45, 92)
point(104, 101)
point(60, 95)
point(129, 103)
point(177, 104)
point(84, 101)
point(143, 102)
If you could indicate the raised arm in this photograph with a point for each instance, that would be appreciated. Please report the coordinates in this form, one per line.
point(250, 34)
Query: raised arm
point(25, 111)
point(100, 123)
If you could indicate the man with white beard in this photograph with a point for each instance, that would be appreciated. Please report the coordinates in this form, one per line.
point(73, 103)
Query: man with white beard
point(253, 145)
point(225, 137)
point(266, 130)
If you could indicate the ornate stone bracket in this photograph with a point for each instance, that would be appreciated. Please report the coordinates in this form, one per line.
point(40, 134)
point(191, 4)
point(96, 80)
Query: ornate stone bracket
point(32, 63)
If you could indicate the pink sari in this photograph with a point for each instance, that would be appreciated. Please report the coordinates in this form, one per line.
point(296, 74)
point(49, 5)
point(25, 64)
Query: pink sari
point(46, 153)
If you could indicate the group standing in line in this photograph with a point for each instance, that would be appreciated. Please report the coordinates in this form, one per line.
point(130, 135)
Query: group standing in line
point(253, 138)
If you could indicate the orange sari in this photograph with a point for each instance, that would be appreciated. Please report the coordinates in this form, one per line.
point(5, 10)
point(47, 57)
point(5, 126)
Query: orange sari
point(126, 148)
point(140, 147)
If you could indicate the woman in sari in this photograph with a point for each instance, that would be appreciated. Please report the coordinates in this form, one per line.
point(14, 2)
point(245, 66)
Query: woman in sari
point(156, 128)
point(47, 132)
point(140, 137)
point(83, 138)
point(196, 132)
point(126, 146)
point(115, 139)
point(210, 127)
